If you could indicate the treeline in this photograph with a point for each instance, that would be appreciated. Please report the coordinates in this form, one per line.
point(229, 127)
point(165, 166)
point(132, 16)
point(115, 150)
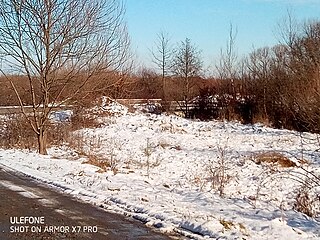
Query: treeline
point(281, 82)
point(276, 85)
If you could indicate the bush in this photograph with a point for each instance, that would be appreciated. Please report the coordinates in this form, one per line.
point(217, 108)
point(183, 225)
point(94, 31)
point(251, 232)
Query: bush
point(16, 132)
point(303, 202)
point(81, 118)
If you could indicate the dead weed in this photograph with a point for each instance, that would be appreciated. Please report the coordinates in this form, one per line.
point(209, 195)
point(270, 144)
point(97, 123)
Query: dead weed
point(274, 158)
point(102, 163)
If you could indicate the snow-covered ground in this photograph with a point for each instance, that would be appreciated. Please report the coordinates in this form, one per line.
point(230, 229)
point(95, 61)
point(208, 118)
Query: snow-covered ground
point(166, 171)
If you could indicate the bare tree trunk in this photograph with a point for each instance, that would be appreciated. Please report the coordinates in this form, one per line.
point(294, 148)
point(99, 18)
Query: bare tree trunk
point(161, 58)
point(42, 141)
point(186, 65)
point(265, 100)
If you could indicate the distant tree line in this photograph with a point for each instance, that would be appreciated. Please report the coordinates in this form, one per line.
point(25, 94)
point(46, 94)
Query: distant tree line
point(50, 58)
point(278, 85)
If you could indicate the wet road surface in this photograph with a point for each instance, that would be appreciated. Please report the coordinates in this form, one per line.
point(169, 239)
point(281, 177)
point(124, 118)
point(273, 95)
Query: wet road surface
point(63, 216)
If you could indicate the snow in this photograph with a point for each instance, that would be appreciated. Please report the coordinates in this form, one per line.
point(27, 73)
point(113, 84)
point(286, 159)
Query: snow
point(161, 172)
point(61, 116)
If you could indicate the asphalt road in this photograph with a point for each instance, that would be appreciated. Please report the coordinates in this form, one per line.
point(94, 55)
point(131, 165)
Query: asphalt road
point(62, 216)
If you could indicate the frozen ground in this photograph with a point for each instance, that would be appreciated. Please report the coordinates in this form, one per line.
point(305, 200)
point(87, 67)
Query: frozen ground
point(166, 171)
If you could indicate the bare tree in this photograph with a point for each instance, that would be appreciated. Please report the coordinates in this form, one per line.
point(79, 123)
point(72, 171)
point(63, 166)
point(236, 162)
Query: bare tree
point(59, 46)
point(186, 64)
point(149, 84)
point(301, 84)
point(227, 65)
point(259, 64)
point(288, 29)
point(161, 57)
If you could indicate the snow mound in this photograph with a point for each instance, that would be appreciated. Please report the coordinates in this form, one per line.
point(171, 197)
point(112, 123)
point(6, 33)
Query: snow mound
point(109, 106)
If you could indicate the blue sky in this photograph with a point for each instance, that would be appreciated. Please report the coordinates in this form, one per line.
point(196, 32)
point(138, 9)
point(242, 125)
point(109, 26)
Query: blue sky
point(207, 23)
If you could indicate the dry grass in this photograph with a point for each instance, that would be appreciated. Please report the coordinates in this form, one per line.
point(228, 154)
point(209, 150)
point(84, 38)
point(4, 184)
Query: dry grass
point(273, 158)
point(94, 160)
point(177, 147)
point(226, 224)
point(307, 198)
point(218, 170)
point(16, 132)
point(304, 162)
point(98, 151)
point(102, 163)
point(81, 118)
point(304, 203)
point(163, 144)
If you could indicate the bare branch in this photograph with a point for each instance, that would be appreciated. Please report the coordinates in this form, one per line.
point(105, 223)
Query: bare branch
point(60, 46)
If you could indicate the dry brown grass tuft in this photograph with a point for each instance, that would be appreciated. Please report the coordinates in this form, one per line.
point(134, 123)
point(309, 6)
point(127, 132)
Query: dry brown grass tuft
point(226, 224)
point(304, 202)
point(103, 164)
point(304, 162)
point(274, 158)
